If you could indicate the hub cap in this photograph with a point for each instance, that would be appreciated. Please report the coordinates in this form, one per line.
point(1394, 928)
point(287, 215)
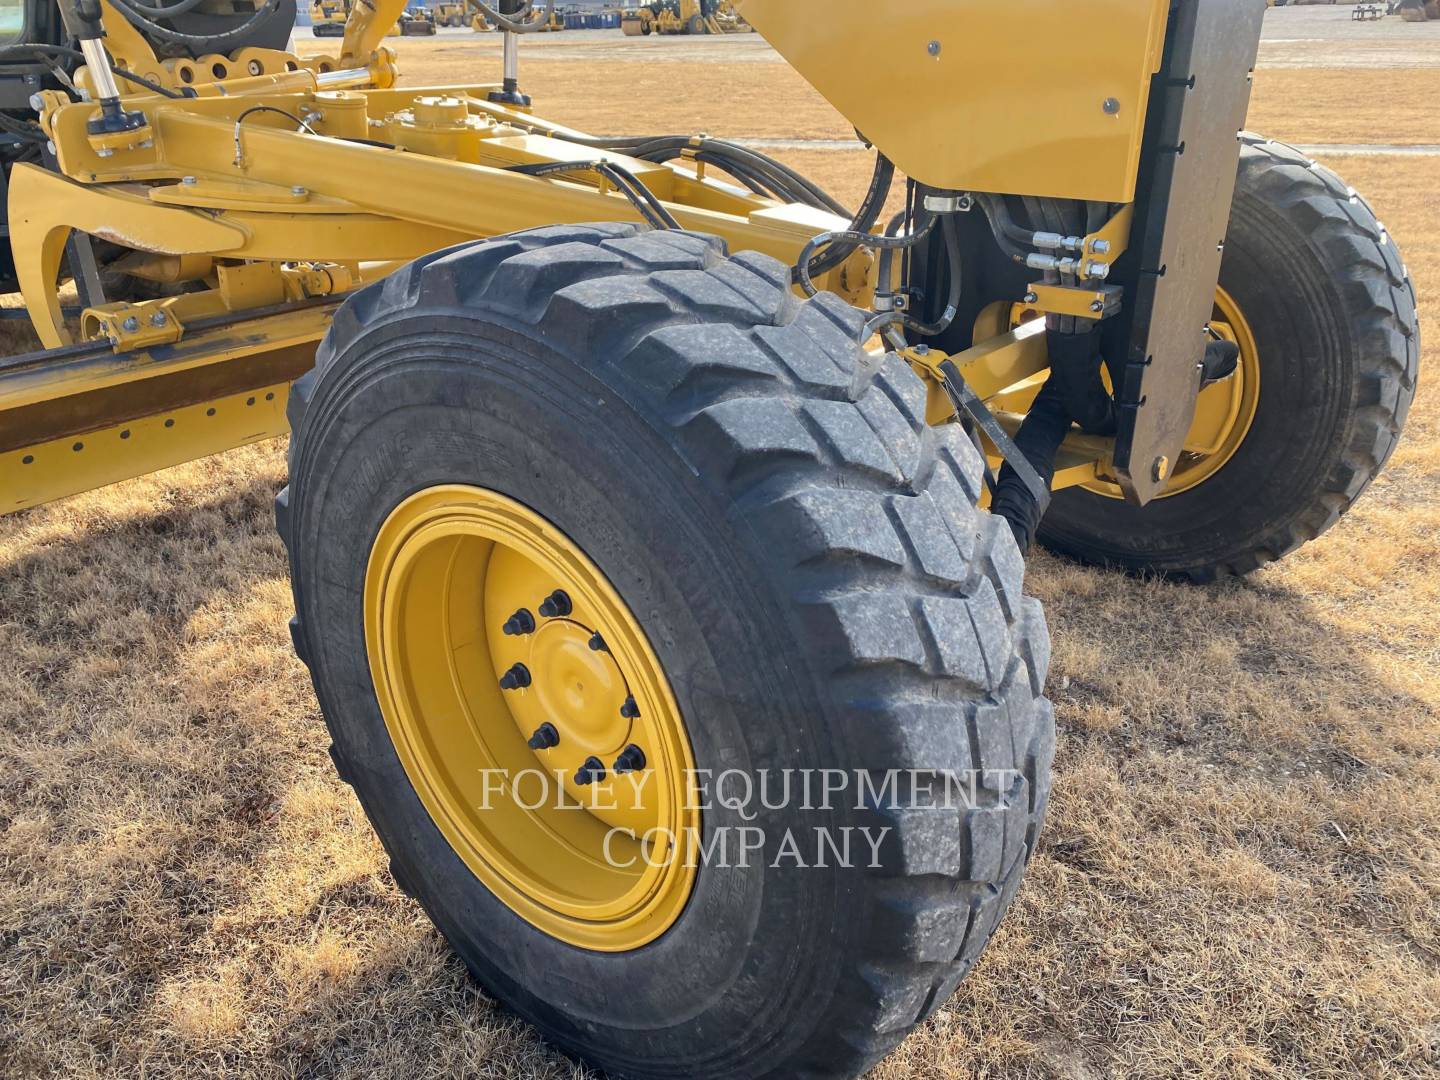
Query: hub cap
point(532, 717)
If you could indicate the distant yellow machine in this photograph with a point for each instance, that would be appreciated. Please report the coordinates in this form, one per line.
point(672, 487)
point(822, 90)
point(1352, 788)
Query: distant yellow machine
point(452, 14)
point(327, 19)
point(684, 17)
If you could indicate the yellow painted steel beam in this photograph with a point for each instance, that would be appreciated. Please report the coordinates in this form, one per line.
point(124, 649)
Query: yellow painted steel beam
point(46, 207)
point(82, 418)
point(55, 380)
point(53, 469)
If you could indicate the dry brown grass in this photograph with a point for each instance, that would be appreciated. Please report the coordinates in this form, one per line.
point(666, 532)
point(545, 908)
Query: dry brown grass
point(1325, 105)
point(1241, 875)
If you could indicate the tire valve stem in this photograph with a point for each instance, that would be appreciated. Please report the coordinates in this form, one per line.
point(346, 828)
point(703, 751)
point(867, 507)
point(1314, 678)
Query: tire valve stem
point(631, 759)
point(517, 678)
point(592, 772)
point(597, 643)
point(545, 737)
point(557, 605)
point(629, 710)
point(519, 624)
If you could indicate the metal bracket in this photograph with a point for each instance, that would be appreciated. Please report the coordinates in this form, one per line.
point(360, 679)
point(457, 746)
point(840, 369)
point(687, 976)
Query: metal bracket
point(1198, 105)
point(941, 369)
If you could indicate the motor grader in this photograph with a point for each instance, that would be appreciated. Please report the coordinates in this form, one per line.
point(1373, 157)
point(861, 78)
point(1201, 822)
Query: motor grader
point(669, 17)
point(633, 477)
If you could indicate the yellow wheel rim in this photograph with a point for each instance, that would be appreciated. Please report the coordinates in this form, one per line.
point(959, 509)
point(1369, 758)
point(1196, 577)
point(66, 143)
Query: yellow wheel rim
point(1223, 414)
point(454, 592)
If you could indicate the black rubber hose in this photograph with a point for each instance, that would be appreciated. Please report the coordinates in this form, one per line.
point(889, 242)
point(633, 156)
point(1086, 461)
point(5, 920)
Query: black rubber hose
point(1013, 239)
point(759, 163)
point(167, 34)
point(871, 207)
point(165, 11)
point(951, 233)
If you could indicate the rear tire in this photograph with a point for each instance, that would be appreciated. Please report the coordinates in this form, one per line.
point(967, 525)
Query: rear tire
point(811, 568)
point(1333, 313)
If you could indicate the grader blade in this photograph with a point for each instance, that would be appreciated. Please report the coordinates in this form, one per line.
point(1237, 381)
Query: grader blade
point(83, 416)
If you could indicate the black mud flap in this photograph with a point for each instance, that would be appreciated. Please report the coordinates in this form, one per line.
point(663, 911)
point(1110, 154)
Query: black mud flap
point(1198, 105)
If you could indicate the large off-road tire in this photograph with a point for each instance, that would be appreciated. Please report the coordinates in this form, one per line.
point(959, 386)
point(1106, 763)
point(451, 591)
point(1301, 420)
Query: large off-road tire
point(1332, 312)
point(810, 567)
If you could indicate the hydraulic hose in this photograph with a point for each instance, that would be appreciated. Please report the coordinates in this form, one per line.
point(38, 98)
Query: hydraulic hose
point(863, 223)
point(951, 234)
point(165, 33)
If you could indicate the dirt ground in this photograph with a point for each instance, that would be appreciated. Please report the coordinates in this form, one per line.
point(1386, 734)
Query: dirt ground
point(1241, 873)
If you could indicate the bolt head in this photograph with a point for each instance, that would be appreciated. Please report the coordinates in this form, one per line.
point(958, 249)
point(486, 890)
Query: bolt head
point(631, 759)
point(158, 319)
point(130, 325)
point(104, 152)
point(1032, 298)
point(1162, 468)
point(1097, 306)
point(298, 190)
point(545, 737)
point(1112, 106)
point(592, 772)
point(1102, 247)
point(37, 102)
point(934, 48)
point(188, 181)
point(520, 624)
point(517, 678)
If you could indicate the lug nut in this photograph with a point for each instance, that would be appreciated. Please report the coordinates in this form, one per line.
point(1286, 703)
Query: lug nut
point(592, 772)
point(631, 759)
point(557, 605)
point(517, 678)
point(545, 737)
point(519, 624)
point(629, 710)
point(597, 643)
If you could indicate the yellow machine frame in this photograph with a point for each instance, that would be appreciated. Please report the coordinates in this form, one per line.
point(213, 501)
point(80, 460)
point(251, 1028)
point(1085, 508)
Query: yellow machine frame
point(273, 225)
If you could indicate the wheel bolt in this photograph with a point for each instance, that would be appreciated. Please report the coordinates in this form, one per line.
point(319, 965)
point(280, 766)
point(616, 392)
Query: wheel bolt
point(557, 605)
point(597, 643)
point(631, 759)
point(592, 772)
point(629, 710)
point(522, 622)
point(517, 678)
point(545, 737)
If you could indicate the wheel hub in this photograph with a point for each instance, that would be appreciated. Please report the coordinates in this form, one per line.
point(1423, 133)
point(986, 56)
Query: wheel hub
point(578, 689)
point(1224, 411)
point(532, 717)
